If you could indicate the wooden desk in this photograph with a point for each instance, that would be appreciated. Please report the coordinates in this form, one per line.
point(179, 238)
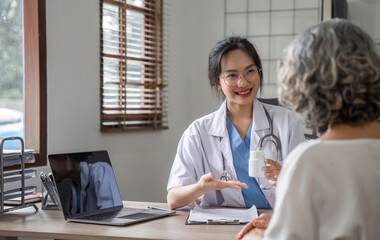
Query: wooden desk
point(51, 224)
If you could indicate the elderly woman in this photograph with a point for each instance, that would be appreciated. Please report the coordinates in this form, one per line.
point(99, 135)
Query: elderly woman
point(330, 76)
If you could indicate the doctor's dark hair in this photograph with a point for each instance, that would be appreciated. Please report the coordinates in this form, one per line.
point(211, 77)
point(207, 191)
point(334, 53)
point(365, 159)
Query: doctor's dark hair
point(223, 47)
point(330, 75)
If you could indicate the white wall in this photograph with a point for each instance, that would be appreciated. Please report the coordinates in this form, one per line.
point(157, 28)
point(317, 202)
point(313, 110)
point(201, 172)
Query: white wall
point(365, 13)
point(142, 160)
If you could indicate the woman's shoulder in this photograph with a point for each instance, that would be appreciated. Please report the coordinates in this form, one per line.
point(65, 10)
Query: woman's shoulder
point(304, 152)
point(326, 146)
point(324, 149)
point(330, 157)
point(306, 147)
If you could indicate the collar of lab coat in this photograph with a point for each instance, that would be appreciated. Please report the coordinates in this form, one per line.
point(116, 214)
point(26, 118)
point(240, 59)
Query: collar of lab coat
point(218, 127)
point(260, 121)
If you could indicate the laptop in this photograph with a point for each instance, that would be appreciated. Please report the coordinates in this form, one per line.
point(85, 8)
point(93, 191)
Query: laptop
point(88, 191)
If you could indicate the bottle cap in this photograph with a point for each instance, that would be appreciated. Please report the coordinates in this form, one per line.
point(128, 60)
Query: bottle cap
point(258, 154)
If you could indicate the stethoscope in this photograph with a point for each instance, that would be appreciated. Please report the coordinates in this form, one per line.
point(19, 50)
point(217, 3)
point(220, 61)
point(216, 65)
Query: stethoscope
point(227, 177)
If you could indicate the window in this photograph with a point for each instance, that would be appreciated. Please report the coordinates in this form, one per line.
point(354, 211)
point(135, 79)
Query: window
point(132, 89)
point(11, 72)
point(28, 85)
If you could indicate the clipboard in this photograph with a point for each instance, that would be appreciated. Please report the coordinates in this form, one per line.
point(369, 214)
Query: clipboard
point(214, 222)
point(220, 216)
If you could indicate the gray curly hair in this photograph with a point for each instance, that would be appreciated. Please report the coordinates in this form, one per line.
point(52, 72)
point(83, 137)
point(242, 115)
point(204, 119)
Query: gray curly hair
point(330, 75)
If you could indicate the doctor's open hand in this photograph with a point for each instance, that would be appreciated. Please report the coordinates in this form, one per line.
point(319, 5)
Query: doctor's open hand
point(182, 195)
point(272, 170)
point(208, 183)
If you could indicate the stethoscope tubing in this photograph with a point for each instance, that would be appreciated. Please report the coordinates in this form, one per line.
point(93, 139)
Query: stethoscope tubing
point(226, 177)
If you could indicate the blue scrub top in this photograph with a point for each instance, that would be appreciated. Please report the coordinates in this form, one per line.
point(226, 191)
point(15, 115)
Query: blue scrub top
point(253, 195)
point(78, 200)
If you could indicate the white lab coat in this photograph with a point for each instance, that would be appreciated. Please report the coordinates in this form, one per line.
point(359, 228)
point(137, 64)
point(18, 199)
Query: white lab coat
point(200, 148)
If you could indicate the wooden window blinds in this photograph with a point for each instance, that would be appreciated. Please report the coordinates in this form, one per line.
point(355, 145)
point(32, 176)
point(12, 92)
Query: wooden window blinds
point(132, 96)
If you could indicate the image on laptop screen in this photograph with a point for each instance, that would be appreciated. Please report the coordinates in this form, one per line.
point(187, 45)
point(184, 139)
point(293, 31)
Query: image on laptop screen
point(85, 182)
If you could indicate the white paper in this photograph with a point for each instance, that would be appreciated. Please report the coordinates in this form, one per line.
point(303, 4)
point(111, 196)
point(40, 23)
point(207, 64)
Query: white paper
point(198, 214)
point(13, 157)
point(17, 175)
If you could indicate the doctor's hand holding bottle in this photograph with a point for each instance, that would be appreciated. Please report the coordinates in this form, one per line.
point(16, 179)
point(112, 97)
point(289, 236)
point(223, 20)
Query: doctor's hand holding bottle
point(259, 167)
point(271, 171)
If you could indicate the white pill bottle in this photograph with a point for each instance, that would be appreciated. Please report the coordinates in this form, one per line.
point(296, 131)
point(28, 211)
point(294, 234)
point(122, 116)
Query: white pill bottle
point(256, 163)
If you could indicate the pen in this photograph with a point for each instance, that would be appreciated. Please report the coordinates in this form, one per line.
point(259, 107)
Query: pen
point(43, 177)
point(222, 221)
point(51, 178)
point(157, 208)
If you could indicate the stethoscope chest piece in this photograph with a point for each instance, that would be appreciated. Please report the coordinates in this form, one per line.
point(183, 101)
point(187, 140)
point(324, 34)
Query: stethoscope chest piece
point(225, 176)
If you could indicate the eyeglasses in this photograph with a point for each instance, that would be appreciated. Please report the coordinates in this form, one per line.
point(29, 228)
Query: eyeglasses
point(231, 78)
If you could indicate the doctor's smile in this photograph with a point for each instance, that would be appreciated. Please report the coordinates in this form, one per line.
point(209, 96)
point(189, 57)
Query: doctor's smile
point(244, 93)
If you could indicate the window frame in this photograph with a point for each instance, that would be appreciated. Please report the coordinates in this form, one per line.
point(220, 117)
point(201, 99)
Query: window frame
point(35, 77)
point(157, 119)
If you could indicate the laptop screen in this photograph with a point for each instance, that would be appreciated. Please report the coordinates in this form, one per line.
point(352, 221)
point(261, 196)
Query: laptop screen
point(85, 182)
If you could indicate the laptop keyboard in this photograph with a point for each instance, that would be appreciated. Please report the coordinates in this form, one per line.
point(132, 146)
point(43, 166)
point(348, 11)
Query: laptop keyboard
point(124, 213)
point(101, 217)
point(138, 216)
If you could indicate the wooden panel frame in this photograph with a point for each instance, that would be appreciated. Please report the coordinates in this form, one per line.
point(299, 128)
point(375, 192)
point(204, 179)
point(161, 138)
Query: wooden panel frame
point(152, 60)
point(35, 80)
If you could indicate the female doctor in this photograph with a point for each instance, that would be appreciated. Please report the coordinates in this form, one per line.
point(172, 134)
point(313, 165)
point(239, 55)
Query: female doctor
point(211, 164)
